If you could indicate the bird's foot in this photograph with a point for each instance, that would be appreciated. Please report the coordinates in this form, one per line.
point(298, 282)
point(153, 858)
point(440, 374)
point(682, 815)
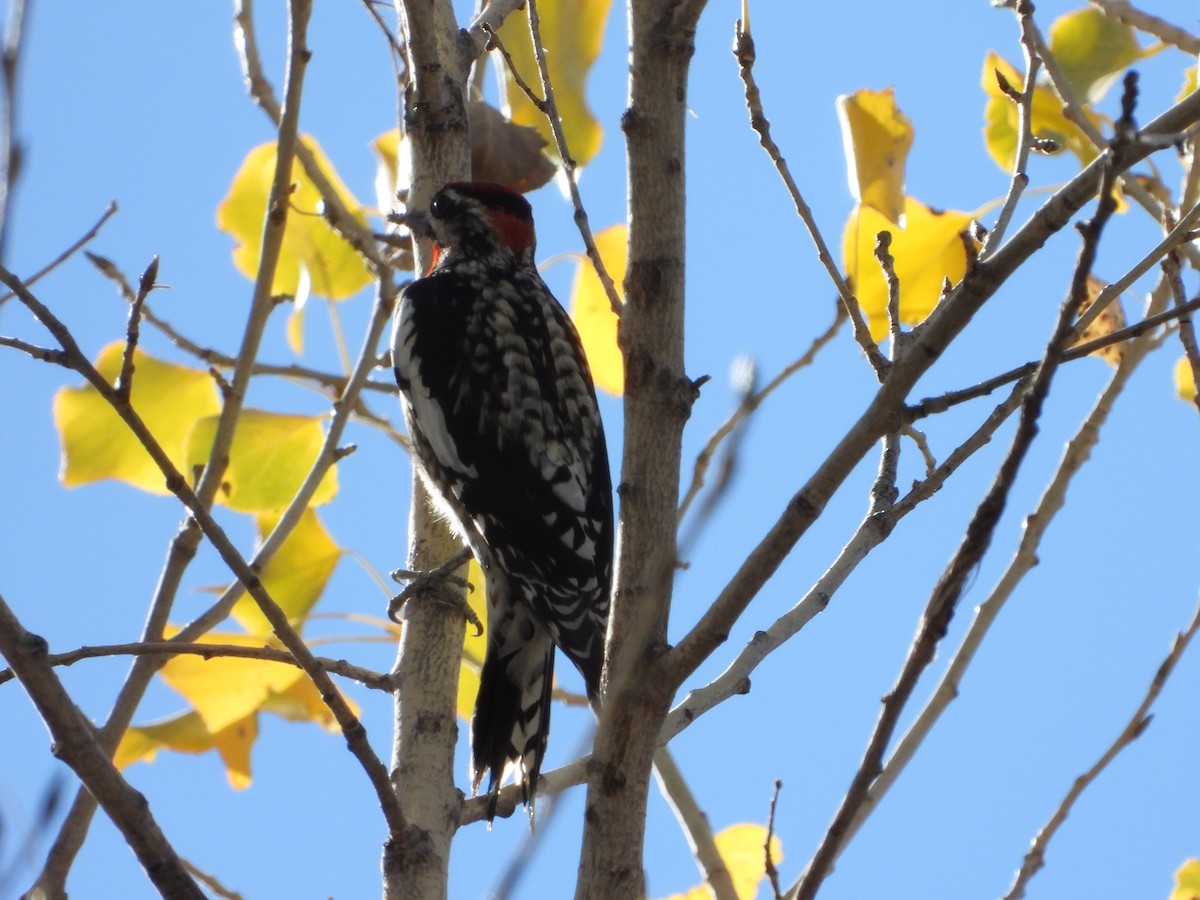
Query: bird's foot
point(441, 584)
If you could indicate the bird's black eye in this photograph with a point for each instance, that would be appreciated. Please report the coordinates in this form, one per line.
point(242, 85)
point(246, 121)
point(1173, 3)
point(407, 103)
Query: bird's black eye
point(439, 207)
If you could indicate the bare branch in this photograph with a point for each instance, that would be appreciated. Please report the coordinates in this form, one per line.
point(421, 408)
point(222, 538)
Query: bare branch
point(75, 744)
point(743, 51)
point(124, 385)
point(11, 156)
point(1137, 724)
point(933, 405)
point(747, 407)
point(1187, 334)
point(944, 599)
point(695, 825)
point(109, 212)
point(1076, 453)
point(249, 578)
point(336, 213)
point(1124, 12)
point(374, 680)
point(1025, 140)
point(550, 108)
point(880, 521)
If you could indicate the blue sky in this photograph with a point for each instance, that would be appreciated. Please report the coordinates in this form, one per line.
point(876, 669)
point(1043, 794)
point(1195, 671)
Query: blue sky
point(143, 103)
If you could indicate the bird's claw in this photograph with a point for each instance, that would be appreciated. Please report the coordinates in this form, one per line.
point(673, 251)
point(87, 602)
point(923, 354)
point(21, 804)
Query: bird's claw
point(440, 583)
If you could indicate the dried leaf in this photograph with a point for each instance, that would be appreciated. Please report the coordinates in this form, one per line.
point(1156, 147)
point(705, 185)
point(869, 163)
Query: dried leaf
point(1110, 319)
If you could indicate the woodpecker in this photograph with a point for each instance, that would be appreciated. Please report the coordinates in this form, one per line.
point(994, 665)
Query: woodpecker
point(505, 432)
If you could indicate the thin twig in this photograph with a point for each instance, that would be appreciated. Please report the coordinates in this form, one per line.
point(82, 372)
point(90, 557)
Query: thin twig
point(42, 354)
point(1025, 139)
point(1123, 12)
point(745, 54)
point(68, 253)
point(946, 593)
point(1035, 858)
point(695, 825)
point(336, 213)
point(11, 155)
point(124, 385)
point(748, 406)
point(768, 858)
point(883, 255)
point(1187, 334)
point(729, 460)
point(1034, 527)
point(352, 728)
point(374, 680)
point(75, 743)
point(569, 166)
point(932, 405)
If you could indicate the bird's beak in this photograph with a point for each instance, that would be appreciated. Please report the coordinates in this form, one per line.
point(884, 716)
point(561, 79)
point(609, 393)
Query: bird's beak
point(416, 222)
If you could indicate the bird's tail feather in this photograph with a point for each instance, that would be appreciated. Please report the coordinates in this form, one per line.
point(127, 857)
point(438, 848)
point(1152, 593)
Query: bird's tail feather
point(511, 723)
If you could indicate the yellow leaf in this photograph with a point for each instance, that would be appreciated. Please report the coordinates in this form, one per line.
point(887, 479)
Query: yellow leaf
point(1091, 49)
point(224, 690)
point(1185, 381)
point(334, 268)
point(474, 646)
point(187, 733)
point(1187, 881)
point(593, 314)
point(572, 31)
point(96, 444)
point(877, 137)
point(1048, 121)
point(270, 457)
point(296, 574)
point(927, 251)
point(741, 847)
point(301, 702)
point(1189, 82)
point(387, 159)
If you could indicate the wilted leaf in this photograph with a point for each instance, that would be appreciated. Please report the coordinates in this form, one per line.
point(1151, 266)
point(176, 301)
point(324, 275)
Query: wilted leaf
point(296, 575)
point(572, 31)
point(927, 251)
point(742, 849)
point(1092, 49)
point(501, 152)
point(505, 152)
point(187, 733)
point(96, 444)
point(1110, 319)
point(309, 244)
point(270, 457)
point(1185, 380)
point(1048, 122)
point(876, 136)
point(593, 313)
point(1187, 881)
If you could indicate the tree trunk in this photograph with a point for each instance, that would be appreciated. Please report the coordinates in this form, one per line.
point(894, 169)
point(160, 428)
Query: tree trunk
point(658, 398)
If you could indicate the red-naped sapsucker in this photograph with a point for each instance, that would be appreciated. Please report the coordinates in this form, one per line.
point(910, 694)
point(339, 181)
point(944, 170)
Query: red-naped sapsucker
point(505, 431)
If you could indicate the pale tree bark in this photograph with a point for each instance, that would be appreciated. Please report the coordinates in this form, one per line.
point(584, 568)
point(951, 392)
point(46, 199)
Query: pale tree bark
point(416, 863)
point(658, 400)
